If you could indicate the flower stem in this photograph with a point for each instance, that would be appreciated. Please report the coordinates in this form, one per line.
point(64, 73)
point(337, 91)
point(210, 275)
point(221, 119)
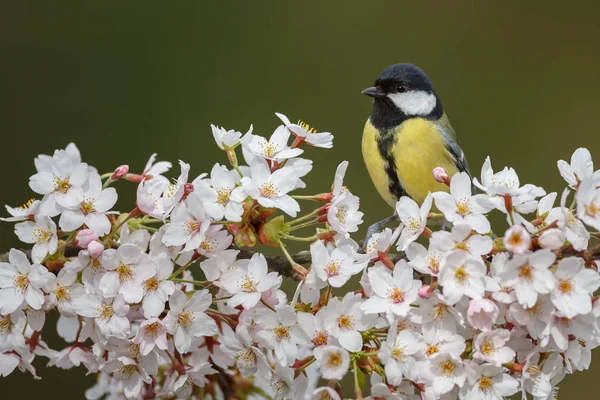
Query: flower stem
point(136, 211)
point(270, 307)
point(301, 239)
point(297, 267)
point(199, 283)
point(180, 270)
point(305, 224)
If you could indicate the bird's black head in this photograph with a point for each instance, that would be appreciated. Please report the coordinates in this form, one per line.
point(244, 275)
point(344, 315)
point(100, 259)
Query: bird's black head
point(402, 91)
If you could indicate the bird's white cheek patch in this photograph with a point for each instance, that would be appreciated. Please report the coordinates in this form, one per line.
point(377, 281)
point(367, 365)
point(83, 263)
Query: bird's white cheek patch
point(415, 102)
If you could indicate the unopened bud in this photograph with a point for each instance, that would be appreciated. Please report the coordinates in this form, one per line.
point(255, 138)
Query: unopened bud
point(187, 189)
point(120, 172)
point(135, 178)
point(85, 237)
point(425, 291)
point(441, 175)
point(95, 249)
point(552, 239)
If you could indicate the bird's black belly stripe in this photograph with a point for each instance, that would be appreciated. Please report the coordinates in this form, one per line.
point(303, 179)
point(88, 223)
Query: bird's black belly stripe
point(385, 145)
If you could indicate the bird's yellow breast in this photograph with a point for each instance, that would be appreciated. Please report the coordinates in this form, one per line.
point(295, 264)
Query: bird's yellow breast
point(414, 149)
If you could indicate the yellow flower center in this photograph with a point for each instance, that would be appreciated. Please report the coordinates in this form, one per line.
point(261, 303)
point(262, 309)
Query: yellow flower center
point(26, 205)
point(488, 348)
point(185, 319)
point(439, 311)
point(333, 268)
point(125, 272)
point(592, 209)
point(62, 185)
point(526, 272)
point(396, 295)
point(447, 368)
point(209, 244)
point(281, 333)
point(62, 293)
point(248, 284)
point(485, 384)
point(21, 282)
point(398, 353)
point(342, 213)
point(152, 330)
point(192, 226)
point(87, 206)
point(134, 350)
point(413, 224)
point(306, 127)
point(463, 206)
point(4, 325)
point(151, 284)
point(432, 349)
point(268, 189)
point(106, 312)
point(565, 287)
point(41, 236)
point(320, 339)
point(223, 196)
point(460, 275)
point(346, 322)
point(334, 360)
point(246, 357)
point(126, 371)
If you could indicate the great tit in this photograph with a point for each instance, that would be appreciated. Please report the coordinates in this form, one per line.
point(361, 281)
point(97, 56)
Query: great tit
point(406, 137)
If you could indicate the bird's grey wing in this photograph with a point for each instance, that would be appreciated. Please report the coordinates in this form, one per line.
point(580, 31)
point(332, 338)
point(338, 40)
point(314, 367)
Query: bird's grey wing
point(443, 125)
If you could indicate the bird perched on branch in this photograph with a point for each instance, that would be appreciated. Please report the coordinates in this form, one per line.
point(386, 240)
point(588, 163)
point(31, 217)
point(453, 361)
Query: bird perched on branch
point(406, 137)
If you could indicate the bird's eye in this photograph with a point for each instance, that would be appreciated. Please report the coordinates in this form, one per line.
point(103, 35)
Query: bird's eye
point(401, 89)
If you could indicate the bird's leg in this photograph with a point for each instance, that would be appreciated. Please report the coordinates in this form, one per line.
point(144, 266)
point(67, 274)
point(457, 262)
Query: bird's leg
point(376, 228)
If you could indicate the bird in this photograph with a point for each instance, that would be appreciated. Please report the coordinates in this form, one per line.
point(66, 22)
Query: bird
point(407, 135)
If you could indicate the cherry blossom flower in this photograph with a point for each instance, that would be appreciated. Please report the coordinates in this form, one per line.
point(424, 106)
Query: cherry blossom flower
point(335, 268)
point(461, 206)
point(60, 180)
point(21, 281)
point(128, 267)
point(151, 332)
point(248, 284)
point(517, 239)
point(189, 223)
point(271, 189)
point(482, 314)
point(222, 262)
point(11, 334)
point(215, 241)
point(227, 138)
point(491, 347)
point(580, 168)
point(488, 382)
point(310, 135)
point(64, 291)
point(276, 148)
point(460, 238)
point(333, 361)
point(149, 197)
point(345, 320)
point(425, 261)
point(41, 233)
point(535, 319)
point(110, 314)
point(173, 193)
point(398, 354)
point(454, 344)
point(154, 171)
point(462, 276)
point(588, 202)
point(528, 275)
point(505, 182)
point(444, 372)
point(343, 214)
point(220, 196)
point(23, 212)
point(413, 218)
point(314, 326)
point(394, 292)
point(186, 319)
point(91, 209)
point(280, 332)
point(575, 286)
point(158, 288)
point(128, 373)
point(248, 358)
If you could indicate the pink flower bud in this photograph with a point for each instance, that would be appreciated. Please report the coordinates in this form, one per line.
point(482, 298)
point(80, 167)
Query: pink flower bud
point(441, 175)
point(552, 239)
point(424, 292)
point(517, 240)
point(120, 172)
point(84, 237)
point(95, 248)
point(482, 313)
point(187, 189)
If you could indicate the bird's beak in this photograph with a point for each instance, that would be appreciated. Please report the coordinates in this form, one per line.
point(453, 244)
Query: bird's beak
point(374, 91)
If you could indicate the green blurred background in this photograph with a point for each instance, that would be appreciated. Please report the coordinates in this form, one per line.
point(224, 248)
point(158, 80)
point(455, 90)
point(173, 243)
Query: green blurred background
point(125, 79)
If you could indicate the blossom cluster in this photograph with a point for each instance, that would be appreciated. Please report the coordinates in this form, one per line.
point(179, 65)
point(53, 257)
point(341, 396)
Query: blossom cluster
point(178, 297)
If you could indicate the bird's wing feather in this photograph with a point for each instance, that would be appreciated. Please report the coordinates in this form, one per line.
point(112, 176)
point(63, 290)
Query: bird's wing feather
point(443, 125)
